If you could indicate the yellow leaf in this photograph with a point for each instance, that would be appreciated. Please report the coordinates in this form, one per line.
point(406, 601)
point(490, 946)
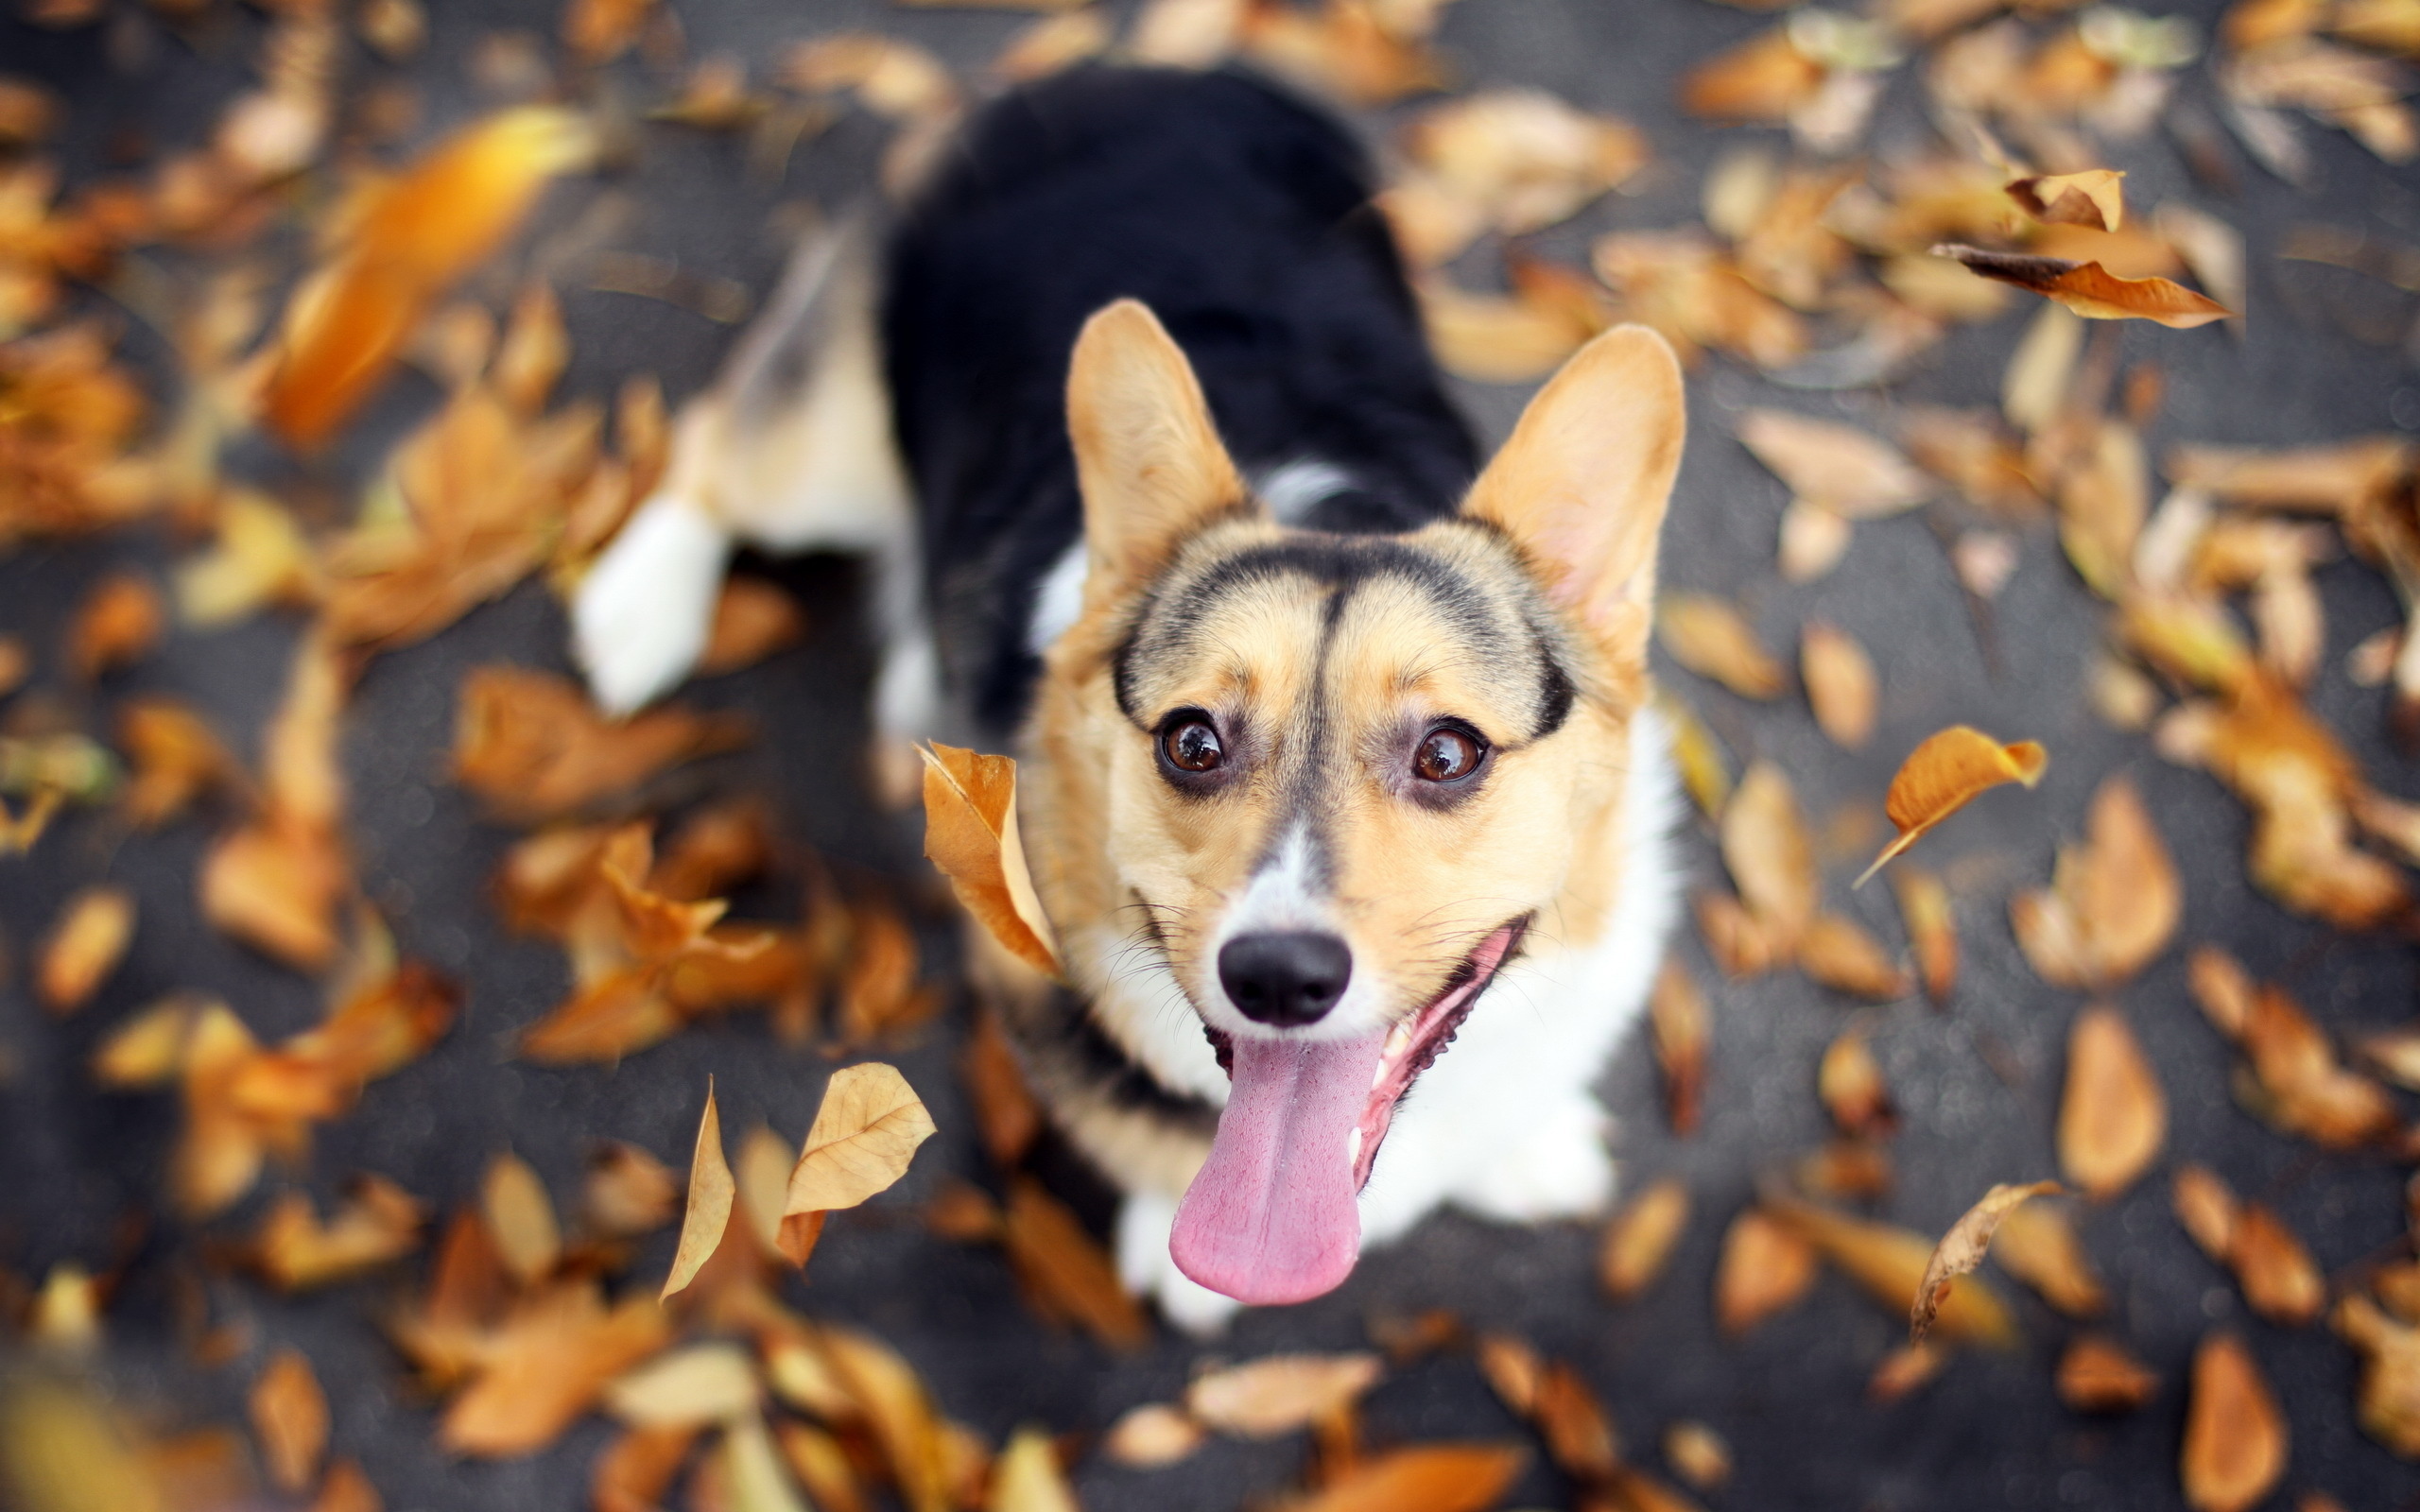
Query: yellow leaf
point(1944, 775)
point(971, 834)
point(2113, 1116)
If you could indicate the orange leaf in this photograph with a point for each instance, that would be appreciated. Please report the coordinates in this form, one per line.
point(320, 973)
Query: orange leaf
point(2234, 1437)
point(1426, 1478)
point(708, 1211)
point(85, 946)
point(289, 1416)
point(2113, 1116)
point(1944, 775)
point(971, 834)
point(1280, 1393)
point(2091, 290)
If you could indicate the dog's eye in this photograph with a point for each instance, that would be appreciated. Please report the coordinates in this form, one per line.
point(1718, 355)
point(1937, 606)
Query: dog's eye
point(1192, 745)
point(1446, 754)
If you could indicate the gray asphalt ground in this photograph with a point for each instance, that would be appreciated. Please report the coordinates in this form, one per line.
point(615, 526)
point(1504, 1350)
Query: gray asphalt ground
point(2321, 361)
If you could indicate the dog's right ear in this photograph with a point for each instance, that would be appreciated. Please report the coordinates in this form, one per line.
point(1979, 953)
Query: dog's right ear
point(1148, 455)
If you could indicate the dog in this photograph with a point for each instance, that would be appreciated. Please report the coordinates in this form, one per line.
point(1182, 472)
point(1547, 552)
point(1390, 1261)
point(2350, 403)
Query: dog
point(1335, 750)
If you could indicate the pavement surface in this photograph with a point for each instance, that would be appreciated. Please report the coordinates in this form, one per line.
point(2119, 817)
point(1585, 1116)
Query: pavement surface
point(2321, 361)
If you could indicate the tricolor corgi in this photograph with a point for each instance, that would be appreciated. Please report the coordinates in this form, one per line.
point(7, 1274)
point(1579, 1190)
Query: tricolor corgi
point(1341, 781)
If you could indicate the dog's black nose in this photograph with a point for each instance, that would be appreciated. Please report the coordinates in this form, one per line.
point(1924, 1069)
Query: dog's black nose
point(1284, 978)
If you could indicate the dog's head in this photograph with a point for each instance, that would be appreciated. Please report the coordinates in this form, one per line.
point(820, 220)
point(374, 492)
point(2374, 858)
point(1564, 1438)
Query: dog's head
point(1330, 781)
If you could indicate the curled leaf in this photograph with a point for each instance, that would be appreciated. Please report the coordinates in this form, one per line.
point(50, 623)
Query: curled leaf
point(2091, 290)
point(971, 834)
point(708, 1209)
point(1962, 1248)
point(1946, 773)
point(2095, 198)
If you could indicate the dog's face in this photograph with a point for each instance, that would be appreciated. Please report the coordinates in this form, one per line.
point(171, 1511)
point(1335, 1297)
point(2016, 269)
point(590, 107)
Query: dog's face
point(1338, 779)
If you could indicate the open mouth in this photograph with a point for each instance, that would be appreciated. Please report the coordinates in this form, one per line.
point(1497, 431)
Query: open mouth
point(1272, 1216)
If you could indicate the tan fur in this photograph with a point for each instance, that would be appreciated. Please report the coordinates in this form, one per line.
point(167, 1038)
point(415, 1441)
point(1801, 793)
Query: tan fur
point(1566, 516)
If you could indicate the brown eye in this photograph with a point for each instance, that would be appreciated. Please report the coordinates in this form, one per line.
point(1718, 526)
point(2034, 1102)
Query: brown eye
point(1192, 745)
point(1446, 754)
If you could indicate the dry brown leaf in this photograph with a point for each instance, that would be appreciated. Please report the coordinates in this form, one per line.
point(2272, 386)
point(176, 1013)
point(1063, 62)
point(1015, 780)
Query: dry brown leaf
point(1064, 1271)
point(1709, 636)
point(1343, 49)
point(2098, 1374)
point(521, 1218)
point(1962, 1248)
point(1424, 1478)
point(1906, 1370)
point(1840, 955)
point(1280, 1393)
point(1764, 78)
point(2388, 1400)
point(2206, 1207)
point(1697, 1453)
point(1705, 773)
point(1849, 1081)
point(752, 620)
point(1151, 1436)
point(628, 1192)
point(1766, 848)
point(634, 1472)
point(2037, 1245)
point(276, 882)
point(1766, 1267)
point(2094, 197)
point(290, 1415)
point(1946, 773)
point(437, 221)
point(174, 757)
point(1026, 1477)
point(707, 1211)
point(1840, 683)
point(2112, 902)
point(1856, 1169)
point(377, 1222)
point(85, 945)
point(551, 1358)
point(2091, 290)
point(118, 624)
point(689, 1387)
point(886, 1389)
point(1681, 1023)
point(2113, 1116)
point(599, 31)
point(1494, 338)
point(2304, 1089)
point(1932, 929)
point(1891, 1264)
point(346, 1488)
point(2279, 1278)
point(1814, 539)
point(1852, 472)
point(971, 834)
point(529, 744)
point(2234, 1437)
point(866, 1133)
point(1520, 159)
point(1639, 1240)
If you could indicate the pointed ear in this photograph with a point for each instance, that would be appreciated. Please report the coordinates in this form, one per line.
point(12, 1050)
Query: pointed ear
point(1148, 455)
point(1582, 484)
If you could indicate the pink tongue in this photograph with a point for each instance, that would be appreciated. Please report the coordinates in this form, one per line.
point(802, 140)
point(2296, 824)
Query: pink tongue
point(1271, 1217)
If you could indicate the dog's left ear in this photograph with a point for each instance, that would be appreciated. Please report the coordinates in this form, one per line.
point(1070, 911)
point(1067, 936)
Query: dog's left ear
point(1148, 455)
point(1582, 484)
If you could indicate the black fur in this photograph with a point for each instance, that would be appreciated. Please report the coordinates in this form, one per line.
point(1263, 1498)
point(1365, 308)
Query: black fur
point(1243, 218)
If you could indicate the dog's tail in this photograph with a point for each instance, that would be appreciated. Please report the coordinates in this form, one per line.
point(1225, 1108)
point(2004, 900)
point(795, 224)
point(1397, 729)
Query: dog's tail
point(791, 450)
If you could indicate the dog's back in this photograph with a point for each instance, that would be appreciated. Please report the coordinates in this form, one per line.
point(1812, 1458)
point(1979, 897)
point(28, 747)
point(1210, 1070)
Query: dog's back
point(1244, 219)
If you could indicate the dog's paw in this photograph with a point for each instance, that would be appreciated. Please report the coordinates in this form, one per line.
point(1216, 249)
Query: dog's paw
point(1147, 1270)
point(1558, 1168)
point(642, 613)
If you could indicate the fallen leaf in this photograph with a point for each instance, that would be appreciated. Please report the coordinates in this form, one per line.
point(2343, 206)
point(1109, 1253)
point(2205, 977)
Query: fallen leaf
point(1932, 929)
point(289, 1416)
point(118, 624)
point(599, 31)
point(2094, 197)
point(2387, 1398)
point(707, 1211)
point(752, 620)
point(2098, 1374)
point(377, 1222)
point(1492, 338)
point(175, 757)
point(634, 1472)
point(2234, 1437)
point(551, 1358)
point(1766, 850)
point(2113, 1116)
point(899, 1410)
point(628, 1192)
point(1946, 773)
point(276, 883)
point(1151, 1436)
point(521, 1218)
point(1962, 1248)
point(689, 1387)
point(1678, 1014)
point(1852, 472)
point(1697, 1453)
point(2279, 1278)
point(1840, 955)
point(1852, 1168)
point(1707, 636)
point(2091, 290)
point(1705, 774)
point(1026, 1477)
point(1064, 1271)
point(1814, 539)
point(530, 746)
point(1906, 1370)
point(1849, 1082)
point(426, 229)
point(346, 1488)
point(1840, 683)
point(2112, 902)
point(1765, 1268)
point(2037, 1243)
point(1279, 1394)
point(971, 834)
point(85, 945)
point(1639, 1240)
point(1423, 1478)
point(1521, 158)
